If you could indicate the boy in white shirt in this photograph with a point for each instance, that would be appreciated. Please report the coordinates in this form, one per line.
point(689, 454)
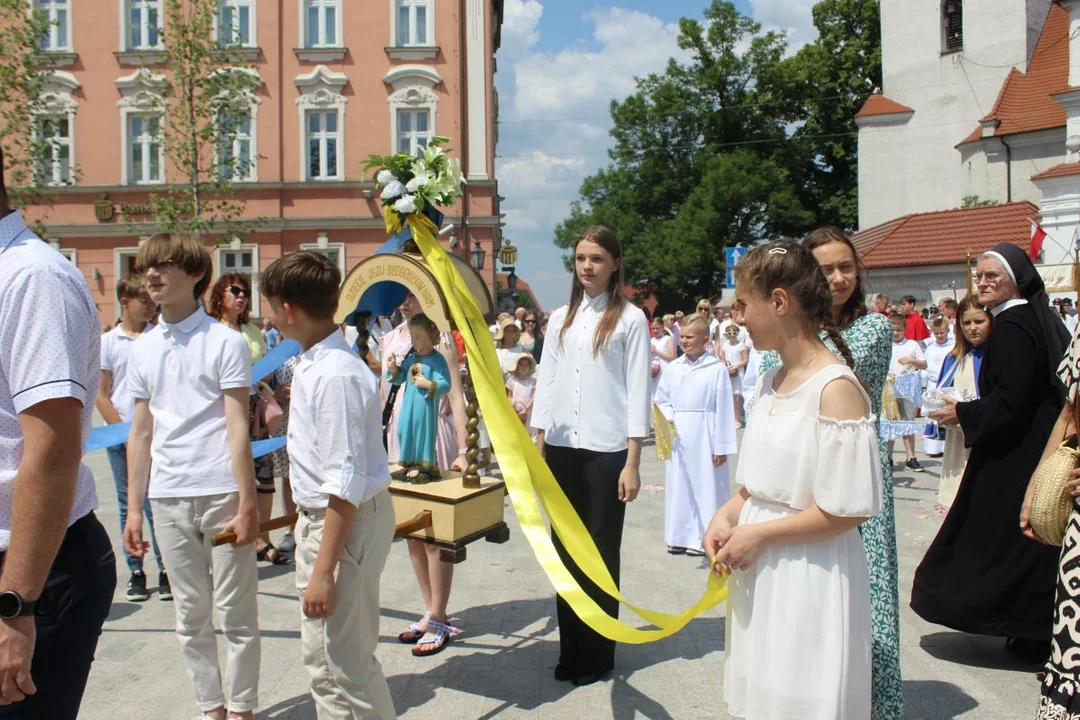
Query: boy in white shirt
point(116, 405)
point(340, 479)
point(934, 436)
point(191, 378)
point(907, 357)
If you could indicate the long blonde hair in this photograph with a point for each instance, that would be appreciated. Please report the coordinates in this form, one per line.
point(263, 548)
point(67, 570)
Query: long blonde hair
point(606, 239)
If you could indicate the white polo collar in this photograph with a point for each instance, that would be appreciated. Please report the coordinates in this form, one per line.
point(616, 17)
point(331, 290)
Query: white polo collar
point(333, 341)
point(187, 325)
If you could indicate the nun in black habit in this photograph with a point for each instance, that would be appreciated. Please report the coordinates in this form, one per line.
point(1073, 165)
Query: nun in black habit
point(981, 575)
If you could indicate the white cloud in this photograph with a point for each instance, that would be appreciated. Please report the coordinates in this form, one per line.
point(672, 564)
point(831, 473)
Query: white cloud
point(539, 170)
point(521, 19)
point(631, 44)
point(517, 219)
point(792, 17)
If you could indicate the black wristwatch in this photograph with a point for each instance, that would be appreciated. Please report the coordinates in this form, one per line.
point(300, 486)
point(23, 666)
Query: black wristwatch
point(14, 605)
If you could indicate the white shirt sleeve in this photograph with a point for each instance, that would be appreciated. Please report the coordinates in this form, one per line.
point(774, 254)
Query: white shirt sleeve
point(340, 417)
point(545, 379)
point(638, 402)
point(45, 334)
point(108, 342)
point(235, 366)
point(135, 378)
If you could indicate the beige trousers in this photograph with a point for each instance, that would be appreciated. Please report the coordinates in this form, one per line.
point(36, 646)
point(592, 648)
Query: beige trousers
point(346, 680)
point(202, 577)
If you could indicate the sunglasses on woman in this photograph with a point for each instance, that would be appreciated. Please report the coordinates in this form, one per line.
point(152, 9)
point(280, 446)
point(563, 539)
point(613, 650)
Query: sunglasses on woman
point(238, 290)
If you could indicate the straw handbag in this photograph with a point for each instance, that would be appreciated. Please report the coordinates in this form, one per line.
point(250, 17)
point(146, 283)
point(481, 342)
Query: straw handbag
point(1051, 502)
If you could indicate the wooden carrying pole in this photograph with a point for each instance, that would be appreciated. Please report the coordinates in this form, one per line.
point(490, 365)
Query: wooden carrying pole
point(420, 522)
point(970, 289)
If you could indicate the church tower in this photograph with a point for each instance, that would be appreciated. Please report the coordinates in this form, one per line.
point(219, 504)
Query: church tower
point(943, 66)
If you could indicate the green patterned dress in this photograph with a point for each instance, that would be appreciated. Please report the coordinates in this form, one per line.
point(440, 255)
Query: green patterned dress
point(870, 339)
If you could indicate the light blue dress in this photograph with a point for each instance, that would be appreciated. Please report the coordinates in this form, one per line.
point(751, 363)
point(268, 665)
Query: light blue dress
point(418, 424)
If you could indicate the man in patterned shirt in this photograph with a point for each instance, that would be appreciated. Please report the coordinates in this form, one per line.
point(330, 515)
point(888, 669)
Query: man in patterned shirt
point(58, 570)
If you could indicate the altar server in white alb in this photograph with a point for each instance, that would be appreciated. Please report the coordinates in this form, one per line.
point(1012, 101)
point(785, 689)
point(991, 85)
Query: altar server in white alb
point(695, 396)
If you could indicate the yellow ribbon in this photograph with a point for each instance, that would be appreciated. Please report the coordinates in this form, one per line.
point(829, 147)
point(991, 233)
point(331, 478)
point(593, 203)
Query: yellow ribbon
point(528, 479)
point(665, 433)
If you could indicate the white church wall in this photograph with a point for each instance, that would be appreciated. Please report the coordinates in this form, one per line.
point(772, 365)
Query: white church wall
point(1031, 154)
point(948, 102)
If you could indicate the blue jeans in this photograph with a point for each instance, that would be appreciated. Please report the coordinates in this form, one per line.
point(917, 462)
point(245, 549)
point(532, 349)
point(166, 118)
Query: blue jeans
point(118, 462)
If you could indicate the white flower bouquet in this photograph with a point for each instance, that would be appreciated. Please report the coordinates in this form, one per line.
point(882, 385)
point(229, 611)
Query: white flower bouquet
point(411, 184)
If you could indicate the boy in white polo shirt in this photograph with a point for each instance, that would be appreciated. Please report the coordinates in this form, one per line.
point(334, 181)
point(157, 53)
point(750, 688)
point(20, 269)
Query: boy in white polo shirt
point(340, 479)
point(190, 377)
point(116, 404)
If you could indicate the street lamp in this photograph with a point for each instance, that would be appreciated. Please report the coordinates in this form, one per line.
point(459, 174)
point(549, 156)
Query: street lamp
point(478, 254)
point(511, 280)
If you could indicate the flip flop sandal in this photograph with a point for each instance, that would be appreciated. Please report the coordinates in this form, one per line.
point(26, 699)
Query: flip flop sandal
point(440, 639)
point(413, 633)
point(272, 555)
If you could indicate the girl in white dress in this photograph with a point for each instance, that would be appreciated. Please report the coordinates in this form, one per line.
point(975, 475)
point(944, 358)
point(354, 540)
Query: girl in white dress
point(661, 353)
point(799, 603)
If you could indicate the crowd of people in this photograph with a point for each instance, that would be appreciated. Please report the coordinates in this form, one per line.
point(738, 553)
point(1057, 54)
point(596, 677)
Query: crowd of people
point(800, 365)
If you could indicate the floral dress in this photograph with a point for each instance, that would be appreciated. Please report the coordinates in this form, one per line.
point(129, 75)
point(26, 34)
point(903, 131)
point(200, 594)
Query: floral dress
point(283, 379)
point(870, 340)
point(1060, 693)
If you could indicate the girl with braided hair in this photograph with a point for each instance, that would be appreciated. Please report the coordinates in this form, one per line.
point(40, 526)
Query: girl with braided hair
point(799, 599)
point(869, 338)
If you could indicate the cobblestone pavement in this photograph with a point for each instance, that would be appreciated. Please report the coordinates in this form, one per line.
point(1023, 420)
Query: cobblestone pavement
point(501, 666)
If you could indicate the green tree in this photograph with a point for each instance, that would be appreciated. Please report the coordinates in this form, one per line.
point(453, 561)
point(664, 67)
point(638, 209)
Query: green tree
point(974, 201)
point(831, 79)
point(205, 102)
point(24, 75)
point(736, 145)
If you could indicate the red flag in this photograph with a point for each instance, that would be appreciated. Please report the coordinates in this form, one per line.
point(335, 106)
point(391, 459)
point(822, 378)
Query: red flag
point(1037, 237)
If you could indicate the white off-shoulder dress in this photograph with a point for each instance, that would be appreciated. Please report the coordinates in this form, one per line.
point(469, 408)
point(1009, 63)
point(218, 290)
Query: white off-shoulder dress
point(799, 637)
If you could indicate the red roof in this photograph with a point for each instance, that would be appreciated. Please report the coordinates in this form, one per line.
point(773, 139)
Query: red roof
point(878, 104)
point(1062, 170)
point(522, 287)
point(944, 237)
point(1025, 103)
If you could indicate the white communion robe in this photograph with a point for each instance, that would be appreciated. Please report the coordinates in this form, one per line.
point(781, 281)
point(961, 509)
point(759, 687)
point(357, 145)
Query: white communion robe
point(696, 397)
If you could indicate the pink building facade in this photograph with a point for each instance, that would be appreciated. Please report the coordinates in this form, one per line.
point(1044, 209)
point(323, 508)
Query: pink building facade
point(337, 80)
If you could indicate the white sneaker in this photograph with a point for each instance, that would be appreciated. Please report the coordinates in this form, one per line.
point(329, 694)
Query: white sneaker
point(287, 543)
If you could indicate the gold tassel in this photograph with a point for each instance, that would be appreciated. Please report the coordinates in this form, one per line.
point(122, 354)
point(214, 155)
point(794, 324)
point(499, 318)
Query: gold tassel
point(665, 433)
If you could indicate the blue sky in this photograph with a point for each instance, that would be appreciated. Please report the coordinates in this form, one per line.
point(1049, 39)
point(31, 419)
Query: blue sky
point(560, 65)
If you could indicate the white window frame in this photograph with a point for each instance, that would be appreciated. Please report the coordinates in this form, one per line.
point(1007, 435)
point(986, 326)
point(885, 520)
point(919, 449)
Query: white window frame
point(251, 5)
point(141, 95)
point(70, 253)
point(413, 89)
point(323, 136)
point(219, 266)
point(57, 101)
point(129, 146)
point(253, 151)
point(51, 174)
point(120, 255)
point(339, 40)
point(323, 248)
point(413, 135)
point(55, 43)
point(395, 5)
point(126, 6)
point(320, 91)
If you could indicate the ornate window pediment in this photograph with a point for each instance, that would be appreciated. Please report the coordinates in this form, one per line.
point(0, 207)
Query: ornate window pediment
point(321, 88)
point(141, 90)
point(56, 97)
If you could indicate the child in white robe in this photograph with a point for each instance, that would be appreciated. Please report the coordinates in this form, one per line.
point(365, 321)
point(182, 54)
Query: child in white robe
point(695, 395)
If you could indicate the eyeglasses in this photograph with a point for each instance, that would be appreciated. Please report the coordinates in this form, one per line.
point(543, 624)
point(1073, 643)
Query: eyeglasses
point(990, 277)
point(159, 266)
point(238, 290)
point(529, 321)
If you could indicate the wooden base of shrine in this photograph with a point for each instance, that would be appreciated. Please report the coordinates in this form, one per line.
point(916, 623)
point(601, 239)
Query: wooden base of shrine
point(459, 515)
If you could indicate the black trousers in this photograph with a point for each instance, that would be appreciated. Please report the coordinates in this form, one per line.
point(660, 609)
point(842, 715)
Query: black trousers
point(591, 483)
point(73, 607)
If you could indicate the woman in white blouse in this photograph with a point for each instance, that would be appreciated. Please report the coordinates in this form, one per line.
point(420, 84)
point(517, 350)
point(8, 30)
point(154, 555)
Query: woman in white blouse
point(591, 429)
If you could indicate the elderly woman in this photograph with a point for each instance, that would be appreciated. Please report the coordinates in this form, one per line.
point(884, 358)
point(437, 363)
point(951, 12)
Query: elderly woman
point(981, 575)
